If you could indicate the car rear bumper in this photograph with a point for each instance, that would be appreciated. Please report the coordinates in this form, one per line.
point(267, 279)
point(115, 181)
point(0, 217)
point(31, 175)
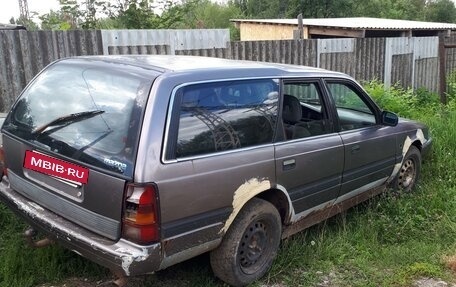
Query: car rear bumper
point(121, 257)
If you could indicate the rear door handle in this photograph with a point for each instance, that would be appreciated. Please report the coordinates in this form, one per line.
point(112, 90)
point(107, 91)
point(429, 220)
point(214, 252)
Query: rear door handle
point(355, 149)
point(289, 164)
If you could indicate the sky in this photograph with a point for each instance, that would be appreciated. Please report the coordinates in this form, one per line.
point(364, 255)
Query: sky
point(10, 8)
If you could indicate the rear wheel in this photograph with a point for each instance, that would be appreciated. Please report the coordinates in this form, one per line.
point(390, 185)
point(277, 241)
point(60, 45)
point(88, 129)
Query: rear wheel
point(250, 244)
point(409, 172)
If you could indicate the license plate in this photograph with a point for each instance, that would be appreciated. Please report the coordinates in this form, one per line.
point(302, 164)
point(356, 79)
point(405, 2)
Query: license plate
point(55, 167)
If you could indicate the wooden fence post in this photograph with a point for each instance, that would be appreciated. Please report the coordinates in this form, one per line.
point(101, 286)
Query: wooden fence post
point(442, 70)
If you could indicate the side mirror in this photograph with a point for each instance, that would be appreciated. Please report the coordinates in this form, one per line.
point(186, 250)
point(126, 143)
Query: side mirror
point(389, 119)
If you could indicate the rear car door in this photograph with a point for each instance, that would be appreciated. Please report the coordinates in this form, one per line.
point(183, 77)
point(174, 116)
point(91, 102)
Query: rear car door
point(309, 156)
point(369, 146)
point(219, 151)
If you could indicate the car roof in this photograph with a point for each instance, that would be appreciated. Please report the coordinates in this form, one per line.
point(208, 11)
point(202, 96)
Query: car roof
point(176, 64)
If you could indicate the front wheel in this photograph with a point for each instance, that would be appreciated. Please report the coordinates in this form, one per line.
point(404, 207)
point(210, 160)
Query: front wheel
point(409, 172)
point(250, 244)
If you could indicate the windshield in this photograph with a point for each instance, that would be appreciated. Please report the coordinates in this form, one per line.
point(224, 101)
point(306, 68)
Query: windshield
point(84, 112)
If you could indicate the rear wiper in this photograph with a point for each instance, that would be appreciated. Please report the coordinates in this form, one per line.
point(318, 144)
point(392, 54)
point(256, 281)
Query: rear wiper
point(64, 121)
point(78, 153)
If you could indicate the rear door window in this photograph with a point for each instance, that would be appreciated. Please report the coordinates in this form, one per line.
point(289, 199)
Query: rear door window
point(223, 116)
point(303, 109)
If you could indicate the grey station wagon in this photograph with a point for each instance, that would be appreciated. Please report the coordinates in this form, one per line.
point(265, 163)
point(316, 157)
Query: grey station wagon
point(140, 162)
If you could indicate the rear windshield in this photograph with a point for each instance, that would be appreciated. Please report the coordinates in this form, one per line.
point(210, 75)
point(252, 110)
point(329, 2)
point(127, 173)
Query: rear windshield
point(83, 112)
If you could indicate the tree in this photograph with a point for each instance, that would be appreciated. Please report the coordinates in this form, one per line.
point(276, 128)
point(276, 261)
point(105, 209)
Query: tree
point(82, 16)
point(171, 14)
point(141, 14)
point(441, 11)
point(403, 9)
point(176, 15)
point(204, 14)
point(260, 8)
point(395, 9)
point(54, 20)
point(321, 9)
point(70, 12)
point(213, 15)
point(137, 15)
point(27, 23)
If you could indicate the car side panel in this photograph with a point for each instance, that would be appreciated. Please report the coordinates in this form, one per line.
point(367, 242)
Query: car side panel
point(211, 188)
point(316, 174)
point(370, 156)
point(198, 195)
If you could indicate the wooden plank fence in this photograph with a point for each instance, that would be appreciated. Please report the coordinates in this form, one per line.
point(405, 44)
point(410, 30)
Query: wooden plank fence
point(23, 54)
point(410, 62)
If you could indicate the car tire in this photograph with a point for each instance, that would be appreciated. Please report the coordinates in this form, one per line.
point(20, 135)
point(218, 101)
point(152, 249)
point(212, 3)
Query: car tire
point(409, 173)
point(250, 245)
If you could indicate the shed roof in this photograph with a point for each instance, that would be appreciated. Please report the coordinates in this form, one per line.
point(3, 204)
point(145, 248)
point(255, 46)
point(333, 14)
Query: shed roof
point(358, 23)
point(11, 27)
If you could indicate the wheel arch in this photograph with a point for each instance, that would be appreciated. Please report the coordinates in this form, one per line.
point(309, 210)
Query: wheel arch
point(417, 143)
point(415, 139)
point(280, 200)
point(262, 189)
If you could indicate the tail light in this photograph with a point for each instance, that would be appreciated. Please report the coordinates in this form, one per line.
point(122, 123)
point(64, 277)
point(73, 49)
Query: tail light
point(140, 219)
point(2, 163)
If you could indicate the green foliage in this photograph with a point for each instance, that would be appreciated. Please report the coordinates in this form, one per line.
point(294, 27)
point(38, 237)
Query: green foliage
point(441, 11)
point(141, 14)
point(417, 270)
point(398, 9)
point(109, 24)
point(70, 13)
point(171, 14)
point(206, 14)
point(405, 102)
point(54, 20)
point(137, 15)
point(27, 23)
point(320, 9)
point(451, 85)
point(175, 16)
point(203, 14)
point(261, 8)
point(421, 10)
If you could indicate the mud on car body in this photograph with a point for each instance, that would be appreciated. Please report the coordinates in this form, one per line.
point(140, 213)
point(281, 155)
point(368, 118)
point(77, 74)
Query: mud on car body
point(141, 162)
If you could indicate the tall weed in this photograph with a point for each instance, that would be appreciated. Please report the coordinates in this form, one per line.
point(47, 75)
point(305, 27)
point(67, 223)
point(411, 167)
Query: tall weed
point(405, 102)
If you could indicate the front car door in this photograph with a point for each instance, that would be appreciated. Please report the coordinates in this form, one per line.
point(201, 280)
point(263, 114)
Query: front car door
point(369, 146)
point(310, 154)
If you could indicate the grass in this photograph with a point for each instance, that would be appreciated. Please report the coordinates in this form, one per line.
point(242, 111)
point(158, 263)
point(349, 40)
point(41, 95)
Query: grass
point(387, 241)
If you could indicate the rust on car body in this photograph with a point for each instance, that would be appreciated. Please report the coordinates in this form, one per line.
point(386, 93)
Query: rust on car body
point(329, 211)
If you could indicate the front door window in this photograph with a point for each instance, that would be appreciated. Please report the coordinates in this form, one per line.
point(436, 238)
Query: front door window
point(352, 110)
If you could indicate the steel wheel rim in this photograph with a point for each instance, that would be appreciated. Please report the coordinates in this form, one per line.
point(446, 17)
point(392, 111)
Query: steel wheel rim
point(407, 174)
point(254, 247)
